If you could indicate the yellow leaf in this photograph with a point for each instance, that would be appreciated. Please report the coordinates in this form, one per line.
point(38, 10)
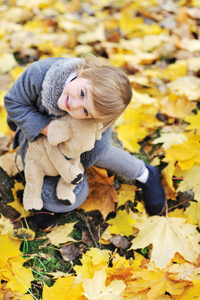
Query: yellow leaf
point(16, 204)
point(192, 292)
point(16, 72)
point(193, 213)
point(185, 154)
point(60, 235)
point(126, 193)
point(4, 129)
point(95, 288)
point(132, 132)
point(63, 289)
point(194, 122)
point(157, 282)
point(186, 86)
point(177, 107)
point(177, 213)
point(93, 260)
point(19, 279)
point(168, 236)
point(8, 248)
point(5, 225)
point(191, 45)
point(7, 62)
point(174, 71)
point(169, 139)
point(193, 63)
point(190, 180)
point(22, 233)
point(121, 224)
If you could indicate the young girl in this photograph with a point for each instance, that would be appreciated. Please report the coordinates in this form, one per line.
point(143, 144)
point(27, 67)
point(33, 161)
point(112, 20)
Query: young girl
point(83, 88)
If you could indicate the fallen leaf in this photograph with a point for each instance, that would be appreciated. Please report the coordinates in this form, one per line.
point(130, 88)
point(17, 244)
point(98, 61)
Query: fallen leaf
point(69, 252)
point(126, 193)
point(22, 233)
point(119, 241)
point(95, 287)
point(186, 86)
point(102, 195)
point(60, 235)
point(122, 224)
point(62, 288)
point(168, 236)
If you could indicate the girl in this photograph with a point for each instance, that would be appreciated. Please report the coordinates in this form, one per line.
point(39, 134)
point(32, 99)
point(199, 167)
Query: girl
point(83, 88)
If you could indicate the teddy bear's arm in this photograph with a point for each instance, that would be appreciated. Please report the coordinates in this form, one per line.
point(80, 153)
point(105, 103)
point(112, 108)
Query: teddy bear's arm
point(64, 167)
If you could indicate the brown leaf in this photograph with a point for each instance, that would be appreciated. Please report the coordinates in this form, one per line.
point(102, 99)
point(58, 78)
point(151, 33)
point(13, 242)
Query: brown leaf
point(69, 252)
point(119, 241)
point(101, 193)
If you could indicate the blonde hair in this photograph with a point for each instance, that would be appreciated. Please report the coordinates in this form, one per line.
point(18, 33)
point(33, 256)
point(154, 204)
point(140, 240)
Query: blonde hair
point(111, 88)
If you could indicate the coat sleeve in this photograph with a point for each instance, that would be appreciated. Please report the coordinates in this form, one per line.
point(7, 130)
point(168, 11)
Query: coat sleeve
point(22, 101)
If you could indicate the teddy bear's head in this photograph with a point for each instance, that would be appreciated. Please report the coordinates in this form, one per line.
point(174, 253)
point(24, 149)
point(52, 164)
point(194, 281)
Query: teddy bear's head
point(74, 136)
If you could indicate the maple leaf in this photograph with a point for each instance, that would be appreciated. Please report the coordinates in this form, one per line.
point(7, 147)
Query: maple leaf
point(167, 175)
point(174, 71)
point(185, 154)
point(7, 62)
point(93, 260)
point(168, 236)
point(190, 180)
point(177, 107)
point(16, 204)
point(186, 86)
point(125, 193)
point(131, 132)
point(101, 193)
point(169, 139)
point(193, 213)
point(60, 235)
point(95, 288)
point(121, 224)
point(194, 122)
point(8, 248)
point(63, 288)
point(19, 278)
point(158, 282)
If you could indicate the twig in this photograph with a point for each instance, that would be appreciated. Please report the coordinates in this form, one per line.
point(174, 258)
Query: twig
point(90, 231)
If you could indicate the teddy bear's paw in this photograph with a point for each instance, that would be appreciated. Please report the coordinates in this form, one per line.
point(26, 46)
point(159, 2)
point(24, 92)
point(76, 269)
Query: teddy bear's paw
point(36, 204)
point(78, 178)
point(66, 195)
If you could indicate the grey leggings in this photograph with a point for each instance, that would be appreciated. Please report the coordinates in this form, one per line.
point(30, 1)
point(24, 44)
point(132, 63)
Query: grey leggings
point(102, 155)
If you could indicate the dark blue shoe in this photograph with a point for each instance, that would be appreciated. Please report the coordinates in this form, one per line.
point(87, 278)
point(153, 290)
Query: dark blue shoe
point(153, 193)
point(45, 220)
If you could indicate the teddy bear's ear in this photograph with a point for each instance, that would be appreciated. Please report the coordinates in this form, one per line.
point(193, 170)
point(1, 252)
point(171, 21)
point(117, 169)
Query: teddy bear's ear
point(58, 132)
point(98, 135)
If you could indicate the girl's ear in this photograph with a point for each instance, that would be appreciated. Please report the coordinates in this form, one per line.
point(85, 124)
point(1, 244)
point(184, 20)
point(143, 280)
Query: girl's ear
point(58, 132)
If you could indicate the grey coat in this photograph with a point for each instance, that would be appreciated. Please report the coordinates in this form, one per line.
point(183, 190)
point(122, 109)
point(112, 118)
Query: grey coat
point(31, 102)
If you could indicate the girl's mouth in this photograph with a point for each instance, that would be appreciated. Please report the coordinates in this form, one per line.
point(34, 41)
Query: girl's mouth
point(66, 102)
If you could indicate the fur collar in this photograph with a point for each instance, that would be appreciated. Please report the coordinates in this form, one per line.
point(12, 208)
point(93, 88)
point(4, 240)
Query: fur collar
point(54, 83)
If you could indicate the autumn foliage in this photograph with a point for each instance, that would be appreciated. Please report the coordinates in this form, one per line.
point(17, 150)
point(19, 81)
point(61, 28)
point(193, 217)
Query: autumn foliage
point(122, 253)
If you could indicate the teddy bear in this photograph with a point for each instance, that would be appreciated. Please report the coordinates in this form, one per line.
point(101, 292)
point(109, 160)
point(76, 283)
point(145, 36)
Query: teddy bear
point(58, 154)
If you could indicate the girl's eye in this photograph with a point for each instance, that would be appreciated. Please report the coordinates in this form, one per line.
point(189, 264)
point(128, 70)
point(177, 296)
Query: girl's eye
point(82, 94)
point(85, 112)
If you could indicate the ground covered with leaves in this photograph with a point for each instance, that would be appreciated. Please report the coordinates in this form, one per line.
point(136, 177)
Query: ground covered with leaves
point(110, 248)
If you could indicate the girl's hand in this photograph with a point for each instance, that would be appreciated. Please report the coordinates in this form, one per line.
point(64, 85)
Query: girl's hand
point(44, 130)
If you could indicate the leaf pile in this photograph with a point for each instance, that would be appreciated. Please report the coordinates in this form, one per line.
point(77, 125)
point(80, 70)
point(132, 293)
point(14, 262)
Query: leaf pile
point(110, 248)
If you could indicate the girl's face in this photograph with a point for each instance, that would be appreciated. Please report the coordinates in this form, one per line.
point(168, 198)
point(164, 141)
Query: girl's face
point(76, 99)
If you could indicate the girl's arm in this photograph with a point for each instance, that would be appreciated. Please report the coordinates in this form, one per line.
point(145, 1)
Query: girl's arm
point(23, 100)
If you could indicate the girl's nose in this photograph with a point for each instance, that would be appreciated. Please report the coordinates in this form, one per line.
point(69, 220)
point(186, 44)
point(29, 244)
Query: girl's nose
point(75, 104)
